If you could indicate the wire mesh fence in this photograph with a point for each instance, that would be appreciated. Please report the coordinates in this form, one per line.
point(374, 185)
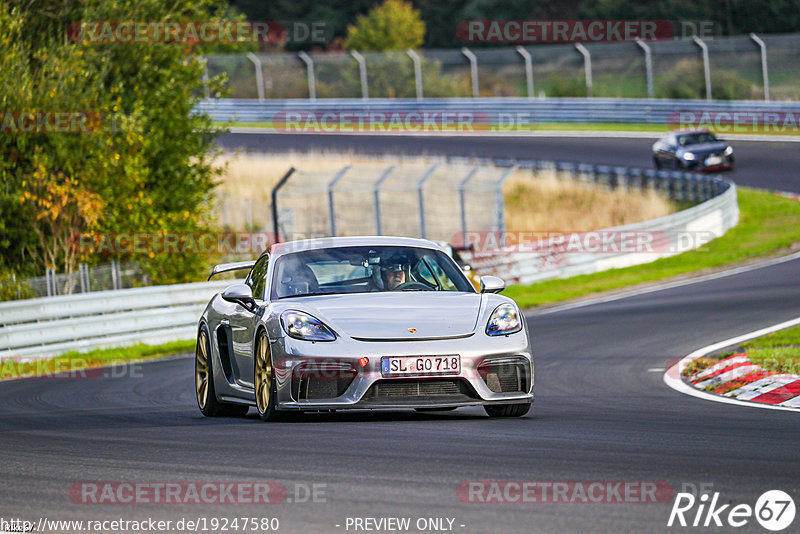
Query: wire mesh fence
point(613, 69)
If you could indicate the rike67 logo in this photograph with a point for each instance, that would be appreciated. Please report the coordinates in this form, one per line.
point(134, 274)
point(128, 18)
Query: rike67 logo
point(774, 510)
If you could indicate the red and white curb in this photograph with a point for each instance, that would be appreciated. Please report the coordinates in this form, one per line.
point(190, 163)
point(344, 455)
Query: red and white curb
point(759, 389)
point(755, 384)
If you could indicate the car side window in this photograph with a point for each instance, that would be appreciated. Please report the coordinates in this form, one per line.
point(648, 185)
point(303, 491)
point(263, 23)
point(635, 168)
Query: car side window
point(258, 277)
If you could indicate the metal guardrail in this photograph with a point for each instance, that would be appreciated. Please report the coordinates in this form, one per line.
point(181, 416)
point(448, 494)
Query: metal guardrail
point(503, 114)
point(43, 327)
point(682, 231)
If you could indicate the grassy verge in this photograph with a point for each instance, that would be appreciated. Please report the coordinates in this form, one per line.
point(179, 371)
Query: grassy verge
point(544, 126)
point(779, 351)
point(768, 225)
point(74, 363)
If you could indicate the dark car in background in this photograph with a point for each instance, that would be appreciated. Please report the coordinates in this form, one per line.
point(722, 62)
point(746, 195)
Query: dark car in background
point(696, 150)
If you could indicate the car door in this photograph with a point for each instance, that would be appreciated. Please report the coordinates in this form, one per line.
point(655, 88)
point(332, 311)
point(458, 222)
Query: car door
point(243, 323)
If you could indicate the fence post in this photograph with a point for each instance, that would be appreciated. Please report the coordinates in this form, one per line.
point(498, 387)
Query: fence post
point(463, 202)
point(706, 66)
point(420, 195)
point(648, 66)
point(376, 189)
point(206, 88)
point(259, 75)
point(312, 84)
point(50, 281)
point(115, 274)
point(83, 274)
point(764, 71)
point(499, 203)
point(362, 72)
point(528, 69)
point(473, 70)
point(248, 214)
point(417, 71)
point(587, 67)
point(331, 210)
point(274, 195)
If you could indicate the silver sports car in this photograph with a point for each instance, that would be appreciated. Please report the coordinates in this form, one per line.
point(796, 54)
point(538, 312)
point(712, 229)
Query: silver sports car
point(360, 323)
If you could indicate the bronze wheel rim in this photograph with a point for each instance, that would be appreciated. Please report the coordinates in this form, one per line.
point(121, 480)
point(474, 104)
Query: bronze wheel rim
point(201, 375)
point(263, 376)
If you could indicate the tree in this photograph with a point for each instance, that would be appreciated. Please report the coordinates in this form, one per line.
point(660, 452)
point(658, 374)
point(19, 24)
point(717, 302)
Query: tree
point(394, 25)
point(146, 163)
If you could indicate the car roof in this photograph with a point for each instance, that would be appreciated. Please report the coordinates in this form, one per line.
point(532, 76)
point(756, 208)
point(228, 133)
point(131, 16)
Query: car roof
point(698, 130)
point(279, 249)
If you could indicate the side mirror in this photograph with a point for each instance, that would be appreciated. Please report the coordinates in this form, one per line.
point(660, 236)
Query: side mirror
point(492, 284)
point(240, 294)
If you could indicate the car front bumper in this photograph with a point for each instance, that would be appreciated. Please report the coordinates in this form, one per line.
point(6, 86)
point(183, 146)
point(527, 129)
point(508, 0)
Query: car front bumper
point(330, 375)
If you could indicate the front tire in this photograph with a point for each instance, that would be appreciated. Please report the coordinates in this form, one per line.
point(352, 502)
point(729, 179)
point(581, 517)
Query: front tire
point(204, 382)
point(507, 410)
point(266, 392)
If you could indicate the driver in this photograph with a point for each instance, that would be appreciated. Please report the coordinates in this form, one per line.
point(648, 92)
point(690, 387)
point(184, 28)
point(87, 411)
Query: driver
point(394, 275)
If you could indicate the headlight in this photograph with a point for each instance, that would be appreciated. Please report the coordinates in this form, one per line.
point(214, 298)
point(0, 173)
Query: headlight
point(504, 320)
point(688, 156)
point(301, 325)
point(728, 151)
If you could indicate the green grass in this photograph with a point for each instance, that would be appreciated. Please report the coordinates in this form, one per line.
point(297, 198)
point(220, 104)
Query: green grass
point(768, 225)
point(779, 351)
point(555, 126)
point(75, 362)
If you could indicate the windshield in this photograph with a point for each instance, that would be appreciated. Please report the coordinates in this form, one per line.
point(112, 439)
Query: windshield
point(365, 269)
point(696, 138)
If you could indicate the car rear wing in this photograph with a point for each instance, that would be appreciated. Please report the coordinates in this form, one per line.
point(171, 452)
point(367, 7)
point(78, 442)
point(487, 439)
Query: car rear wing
point(236, 266)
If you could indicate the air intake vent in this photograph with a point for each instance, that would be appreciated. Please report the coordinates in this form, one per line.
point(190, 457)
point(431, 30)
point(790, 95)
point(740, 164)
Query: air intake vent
point(321, 381)
point(506, 375)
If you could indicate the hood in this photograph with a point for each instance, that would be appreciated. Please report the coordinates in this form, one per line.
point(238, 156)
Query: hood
point(704, 148)
point(389, 315)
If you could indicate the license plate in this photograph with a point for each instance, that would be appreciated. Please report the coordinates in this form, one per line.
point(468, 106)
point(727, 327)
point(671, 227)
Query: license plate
point(713, 160)
point(421, 365)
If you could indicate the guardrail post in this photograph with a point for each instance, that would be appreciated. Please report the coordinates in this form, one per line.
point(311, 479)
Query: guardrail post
point(528, 69)
point(417, 71)
point(376, 189)
point(274, 195)
point(362, 72)
point(331, 210)
point(587, 67)
point(648, 66)
point(420, 195)
point(463, 201)
point(259, 75)
point(706, 66)
point(764, 71)
point(312, 84)
point(499, 203)
point(473, 70)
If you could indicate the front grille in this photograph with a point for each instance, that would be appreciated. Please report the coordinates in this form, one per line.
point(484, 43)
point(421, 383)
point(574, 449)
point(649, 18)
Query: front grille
point(417, 392)
point(506, 375)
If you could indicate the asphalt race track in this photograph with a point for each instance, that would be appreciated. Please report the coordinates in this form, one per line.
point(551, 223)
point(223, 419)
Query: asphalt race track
point(602, 413)
point(768, 165)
